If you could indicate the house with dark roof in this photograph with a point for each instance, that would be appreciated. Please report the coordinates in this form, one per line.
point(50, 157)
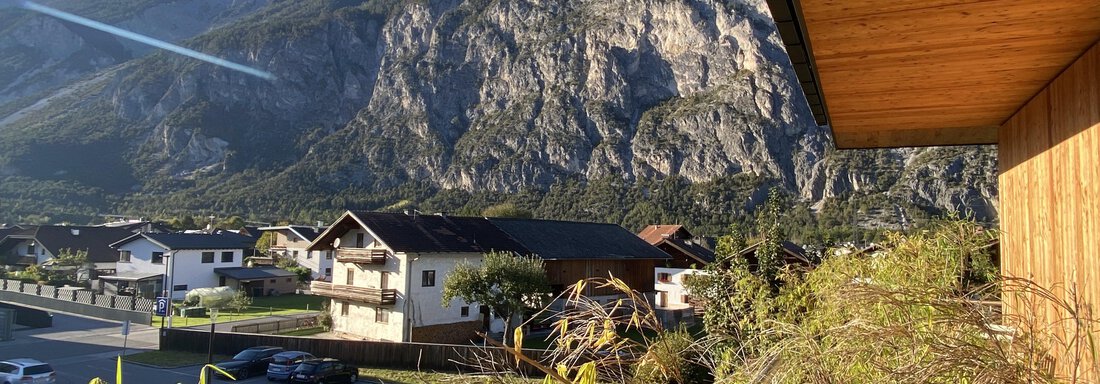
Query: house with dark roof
point(146, 262)
point(389, 267)
point(291, 241)
point(37, 245)
point(258, 281)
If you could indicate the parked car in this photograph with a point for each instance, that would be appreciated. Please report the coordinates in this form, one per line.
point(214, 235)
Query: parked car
point(283, 363)
point(324, 371)
point(26, 371)
point(251, 361)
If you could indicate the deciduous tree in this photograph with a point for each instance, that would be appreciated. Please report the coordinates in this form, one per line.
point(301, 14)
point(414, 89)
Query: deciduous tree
point(506, 283)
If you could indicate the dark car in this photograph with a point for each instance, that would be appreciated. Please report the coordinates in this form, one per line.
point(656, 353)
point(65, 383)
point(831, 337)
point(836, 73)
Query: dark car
point(324, 371)
point(251, 361)
point(283, 363)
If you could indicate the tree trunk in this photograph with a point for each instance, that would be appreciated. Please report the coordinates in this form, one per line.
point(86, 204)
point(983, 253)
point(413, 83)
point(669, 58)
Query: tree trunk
point(508, 331)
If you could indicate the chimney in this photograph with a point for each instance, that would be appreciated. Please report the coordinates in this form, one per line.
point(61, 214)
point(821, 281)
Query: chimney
point(442, 214)
point(320, 223)
point(75, 231)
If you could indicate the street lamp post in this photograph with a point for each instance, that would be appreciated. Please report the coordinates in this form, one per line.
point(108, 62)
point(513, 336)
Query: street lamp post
point(210, 343)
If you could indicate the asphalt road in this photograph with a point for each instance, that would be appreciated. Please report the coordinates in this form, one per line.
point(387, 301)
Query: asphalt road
point(81, 348)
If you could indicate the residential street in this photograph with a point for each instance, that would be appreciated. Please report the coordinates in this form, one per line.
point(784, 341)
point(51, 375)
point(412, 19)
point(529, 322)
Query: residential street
point(81, 348)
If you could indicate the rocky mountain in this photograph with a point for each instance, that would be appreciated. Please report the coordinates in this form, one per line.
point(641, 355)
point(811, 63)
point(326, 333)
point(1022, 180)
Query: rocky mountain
point(447, 105)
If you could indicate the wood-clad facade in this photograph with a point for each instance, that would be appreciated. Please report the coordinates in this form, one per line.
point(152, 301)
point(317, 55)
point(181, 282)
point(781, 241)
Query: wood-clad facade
point(1023, 74)
point(1050, 188)
point(637, 274)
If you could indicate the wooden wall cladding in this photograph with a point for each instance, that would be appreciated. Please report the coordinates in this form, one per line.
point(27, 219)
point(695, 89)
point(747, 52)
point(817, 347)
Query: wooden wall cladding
point(1050, 192)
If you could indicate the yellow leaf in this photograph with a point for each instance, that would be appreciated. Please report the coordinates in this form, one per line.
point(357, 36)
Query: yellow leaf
point(202, 374)
point(519, 343)
point(586, 374)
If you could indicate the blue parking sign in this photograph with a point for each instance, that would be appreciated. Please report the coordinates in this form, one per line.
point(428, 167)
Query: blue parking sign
point(161, 308)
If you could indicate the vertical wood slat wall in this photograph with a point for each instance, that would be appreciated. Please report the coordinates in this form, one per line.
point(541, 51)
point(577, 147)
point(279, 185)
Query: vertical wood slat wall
point(1050, 191)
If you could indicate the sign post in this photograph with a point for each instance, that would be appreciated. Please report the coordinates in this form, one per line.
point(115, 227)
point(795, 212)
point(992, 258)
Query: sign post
point(210, 343)
point(125, 335)
point(161, 309)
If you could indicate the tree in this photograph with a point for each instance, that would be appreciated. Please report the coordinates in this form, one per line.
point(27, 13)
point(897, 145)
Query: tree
point(232, 222)
point(505, 283)
point(507, 210)
point(263, 244)
point(67, 265)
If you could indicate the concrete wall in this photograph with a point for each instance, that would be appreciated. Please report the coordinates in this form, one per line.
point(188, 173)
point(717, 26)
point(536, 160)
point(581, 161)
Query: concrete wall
point(77, 308)
point(30, 317)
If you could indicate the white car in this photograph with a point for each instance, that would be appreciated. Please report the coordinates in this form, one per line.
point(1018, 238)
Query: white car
point(26, 371)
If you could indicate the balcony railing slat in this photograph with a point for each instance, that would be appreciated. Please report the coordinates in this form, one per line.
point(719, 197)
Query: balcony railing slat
point(361, 255)
point(351, 292)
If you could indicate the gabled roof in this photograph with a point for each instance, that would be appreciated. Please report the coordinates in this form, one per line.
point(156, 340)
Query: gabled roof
point(303, 231)
point(139, 226)
point(794, 253)
point(549, 239)
point(54, 238)
point(653, 234)
point(256, 273)
point(184, 241)
point(692, 248)
point(563, 240)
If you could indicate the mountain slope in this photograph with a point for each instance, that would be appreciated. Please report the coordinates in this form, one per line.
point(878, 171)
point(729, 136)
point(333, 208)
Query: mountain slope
point(459, 104)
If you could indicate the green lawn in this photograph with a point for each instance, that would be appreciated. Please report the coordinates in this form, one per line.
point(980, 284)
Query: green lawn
point(170, 359)
point(261, 307)
point(396, 376)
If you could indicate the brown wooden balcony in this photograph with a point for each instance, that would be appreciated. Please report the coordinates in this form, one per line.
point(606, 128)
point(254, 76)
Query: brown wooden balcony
point(361, 256)
point(353, 293)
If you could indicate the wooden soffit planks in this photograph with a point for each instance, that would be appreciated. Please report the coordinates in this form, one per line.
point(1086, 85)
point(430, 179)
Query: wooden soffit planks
point(935, 72)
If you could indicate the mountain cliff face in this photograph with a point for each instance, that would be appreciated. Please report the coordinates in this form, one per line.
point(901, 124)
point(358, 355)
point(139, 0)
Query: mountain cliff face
point(403, 99)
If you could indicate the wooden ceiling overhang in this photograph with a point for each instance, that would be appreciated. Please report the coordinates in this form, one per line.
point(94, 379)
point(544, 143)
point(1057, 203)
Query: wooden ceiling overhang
point(928, 72)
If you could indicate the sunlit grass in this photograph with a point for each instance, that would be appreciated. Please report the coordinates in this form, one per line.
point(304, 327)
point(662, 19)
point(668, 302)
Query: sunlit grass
point(261, 307)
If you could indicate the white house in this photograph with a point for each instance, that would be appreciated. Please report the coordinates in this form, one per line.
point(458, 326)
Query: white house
point(292, 241)
point(673, 303)
point(389, 268)
point(183, 261)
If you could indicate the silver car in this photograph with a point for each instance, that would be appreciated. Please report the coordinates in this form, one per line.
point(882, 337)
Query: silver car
point(26, 371)
point(283, 364)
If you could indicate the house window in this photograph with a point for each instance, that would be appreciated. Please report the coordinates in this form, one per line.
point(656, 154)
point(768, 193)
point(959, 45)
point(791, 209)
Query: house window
point(272, 281)
point(181, 287)
point(351, 277)
point(157, 258)
point(359, 240)
point(328, 255)
point(381, 315)
point(663, 277)
point(685, 299)
point(385, 280)
point(207, 257)
point(227, 257)
point(344, 308)
point(328, 271)
point(30, 249)
point(221, 281)
point(294, 254)
point(309, 254)
point(289, 279)
point(465, 311)
point(124, 256)
point(427, 279)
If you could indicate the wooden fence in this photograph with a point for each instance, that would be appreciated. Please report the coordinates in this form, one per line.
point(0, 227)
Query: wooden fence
point(446, 357)
point(277, 326)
